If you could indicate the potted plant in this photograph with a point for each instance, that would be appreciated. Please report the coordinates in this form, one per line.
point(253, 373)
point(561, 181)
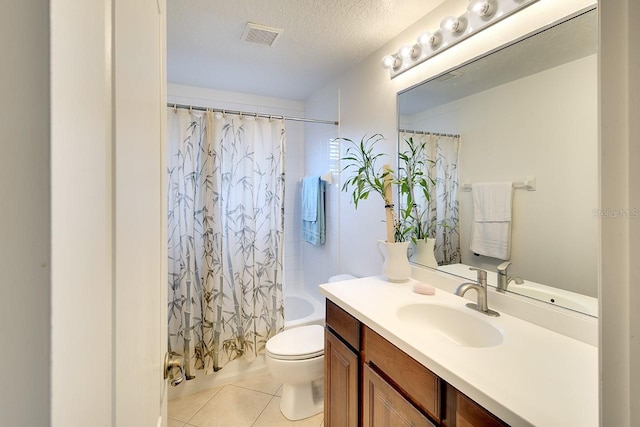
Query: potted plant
point(369, 177)
point(413, 180)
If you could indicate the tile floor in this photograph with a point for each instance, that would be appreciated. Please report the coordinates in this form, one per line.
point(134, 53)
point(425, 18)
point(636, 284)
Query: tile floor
point(252, 402)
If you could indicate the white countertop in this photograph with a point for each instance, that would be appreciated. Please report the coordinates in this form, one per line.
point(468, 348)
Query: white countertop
point(535, 377)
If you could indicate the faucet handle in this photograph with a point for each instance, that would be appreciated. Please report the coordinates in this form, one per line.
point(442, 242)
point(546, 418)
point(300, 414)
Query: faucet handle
point(482, 274)
point(502, 268)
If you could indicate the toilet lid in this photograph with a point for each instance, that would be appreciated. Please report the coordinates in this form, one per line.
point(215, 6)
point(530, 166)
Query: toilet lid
point(303, 342)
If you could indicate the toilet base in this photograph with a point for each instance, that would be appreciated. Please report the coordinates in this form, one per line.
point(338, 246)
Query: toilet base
point(302, 400)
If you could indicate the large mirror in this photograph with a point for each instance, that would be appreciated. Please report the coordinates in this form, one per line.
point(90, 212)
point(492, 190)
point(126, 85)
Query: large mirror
point(525, 114)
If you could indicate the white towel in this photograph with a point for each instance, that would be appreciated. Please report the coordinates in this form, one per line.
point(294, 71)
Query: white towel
point(492, 219)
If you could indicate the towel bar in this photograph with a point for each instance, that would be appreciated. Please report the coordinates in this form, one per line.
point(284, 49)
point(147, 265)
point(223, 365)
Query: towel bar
point(528, 184)
point(327, 177)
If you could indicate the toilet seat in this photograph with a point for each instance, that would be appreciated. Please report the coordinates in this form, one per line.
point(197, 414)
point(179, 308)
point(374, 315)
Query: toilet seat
point(303, 342)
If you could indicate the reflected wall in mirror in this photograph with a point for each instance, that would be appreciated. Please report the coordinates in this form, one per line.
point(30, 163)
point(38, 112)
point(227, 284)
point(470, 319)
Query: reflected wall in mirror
point(526, 110)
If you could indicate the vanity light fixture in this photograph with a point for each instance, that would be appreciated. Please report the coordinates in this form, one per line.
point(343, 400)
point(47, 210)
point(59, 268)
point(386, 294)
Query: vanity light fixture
point(480, 14)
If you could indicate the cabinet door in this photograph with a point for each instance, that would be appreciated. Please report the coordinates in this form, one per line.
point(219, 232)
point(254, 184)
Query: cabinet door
point(383, 406)
point(464, 412)
point(340, 383)
point(470, 414)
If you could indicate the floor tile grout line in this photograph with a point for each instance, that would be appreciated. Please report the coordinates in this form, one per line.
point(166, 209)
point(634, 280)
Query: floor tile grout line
point(263, 409)
point(205, 404)
point(273, 395)
point(257, 391)
point(175, 419)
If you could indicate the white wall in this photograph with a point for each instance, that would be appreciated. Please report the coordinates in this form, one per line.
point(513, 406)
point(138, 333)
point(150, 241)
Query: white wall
point(543, 125)
point(294, 163)
point(321, 262)
point(25, 226)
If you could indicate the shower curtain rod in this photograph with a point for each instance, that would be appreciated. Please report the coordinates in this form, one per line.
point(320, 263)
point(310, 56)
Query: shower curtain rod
point(422, 132)
point(244, 113)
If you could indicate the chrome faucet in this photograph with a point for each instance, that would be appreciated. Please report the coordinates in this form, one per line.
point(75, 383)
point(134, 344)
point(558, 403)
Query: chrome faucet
point(481, 290)
point(504, 280)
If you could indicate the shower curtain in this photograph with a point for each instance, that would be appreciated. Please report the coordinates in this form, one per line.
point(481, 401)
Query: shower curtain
point(225, 237)
point(441, 215)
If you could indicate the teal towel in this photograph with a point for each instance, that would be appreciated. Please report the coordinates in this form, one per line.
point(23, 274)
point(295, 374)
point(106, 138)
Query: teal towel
point(313, 215)
point(310, 190)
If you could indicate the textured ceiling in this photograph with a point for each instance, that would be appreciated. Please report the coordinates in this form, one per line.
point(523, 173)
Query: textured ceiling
point(321, 39)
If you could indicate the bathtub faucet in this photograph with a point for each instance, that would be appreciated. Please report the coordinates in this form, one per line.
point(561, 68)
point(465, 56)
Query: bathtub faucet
point(504, 280)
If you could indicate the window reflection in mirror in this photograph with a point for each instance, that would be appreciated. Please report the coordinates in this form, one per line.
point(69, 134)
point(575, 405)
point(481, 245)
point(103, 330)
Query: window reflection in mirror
point(527, 110)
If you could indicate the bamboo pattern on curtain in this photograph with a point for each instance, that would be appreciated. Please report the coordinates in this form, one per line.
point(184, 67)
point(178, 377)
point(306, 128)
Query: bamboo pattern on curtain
point(441, 216)
point(225, 238)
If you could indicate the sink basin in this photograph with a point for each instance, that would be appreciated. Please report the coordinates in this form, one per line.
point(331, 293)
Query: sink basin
point(460, 327)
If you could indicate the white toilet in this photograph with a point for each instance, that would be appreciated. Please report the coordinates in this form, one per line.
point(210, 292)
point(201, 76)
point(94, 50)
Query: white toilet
point(295, 357)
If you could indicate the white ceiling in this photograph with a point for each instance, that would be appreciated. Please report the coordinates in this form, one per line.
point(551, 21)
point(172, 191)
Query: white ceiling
point(321, 39)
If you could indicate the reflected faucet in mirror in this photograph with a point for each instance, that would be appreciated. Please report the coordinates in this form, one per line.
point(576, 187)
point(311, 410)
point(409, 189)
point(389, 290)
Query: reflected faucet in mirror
point(504, 280)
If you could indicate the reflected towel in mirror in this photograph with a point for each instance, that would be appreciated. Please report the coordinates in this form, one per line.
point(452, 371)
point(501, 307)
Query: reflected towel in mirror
point(492, 219)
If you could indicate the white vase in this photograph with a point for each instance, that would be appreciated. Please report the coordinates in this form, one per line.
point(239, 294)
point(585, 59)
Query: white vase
point(424, 253)
point(396, 265)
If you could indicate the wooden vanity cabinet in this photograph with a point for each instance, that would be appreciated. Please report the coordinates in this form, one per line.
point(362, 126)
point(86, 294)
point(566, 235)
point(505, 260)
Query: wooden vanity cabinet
point(370, 382)
point(341, 368)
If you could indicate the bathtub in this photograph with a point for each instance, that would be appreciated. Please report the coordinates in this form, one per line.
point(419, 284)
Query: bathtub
point(302, 309)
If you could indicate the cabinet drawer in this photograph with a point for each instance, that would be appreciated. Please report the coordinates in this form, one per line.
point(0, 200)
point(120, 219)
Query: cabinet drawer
point(464, 412)
point(419, 384)
point(343, 324)
point(383, 406)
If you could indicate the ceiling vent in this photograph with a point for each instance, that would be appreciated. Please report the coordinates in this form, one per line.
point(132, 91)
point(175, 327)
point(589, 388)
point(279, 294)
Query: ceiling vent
point(260, 34)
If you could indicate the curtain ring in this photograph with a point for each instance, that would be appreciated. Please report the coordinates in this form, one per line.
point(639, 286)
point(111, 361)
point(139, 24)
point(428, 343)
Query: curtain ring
point(190, 109)
point(175, 108)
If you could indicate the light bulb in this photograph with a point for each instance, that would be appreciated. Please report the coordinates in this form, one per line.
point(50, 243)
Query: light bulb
point(483, 8)
point(429, 39)
point(454, 25)
point(405, 52)
point(389, 61)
